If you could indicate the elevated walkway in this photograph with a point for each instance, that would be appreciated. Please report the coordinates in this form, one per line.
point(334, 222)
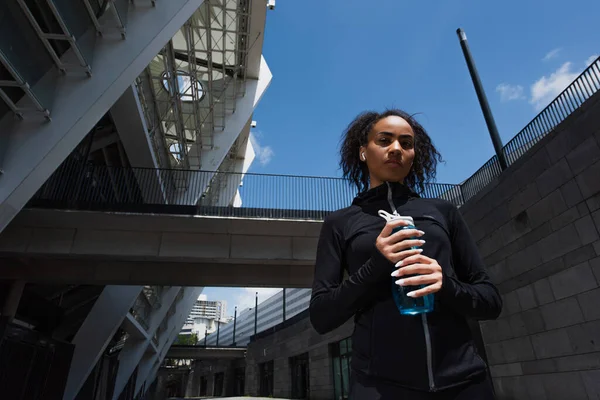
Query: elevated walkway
point(138, 249)
point(205, 353)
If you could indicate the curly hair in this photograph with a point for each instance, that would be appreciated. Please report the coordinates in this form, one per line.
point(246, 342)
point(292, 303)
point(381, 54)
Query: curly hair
point(356, 135)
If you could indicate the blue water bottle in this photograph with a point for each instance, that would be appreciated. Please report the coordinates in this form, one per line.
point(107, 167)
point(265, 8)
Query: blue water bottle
point(409, 305)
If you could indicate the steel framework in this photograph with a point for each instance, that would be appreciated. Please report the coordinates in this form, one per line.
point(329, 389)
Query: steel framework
point(196, 78)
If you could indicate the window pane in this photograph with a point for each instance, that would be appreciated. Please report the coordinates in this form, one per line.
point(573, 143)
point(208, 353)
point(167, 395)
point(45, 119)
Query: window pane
point(345, 377)
point(337, 378)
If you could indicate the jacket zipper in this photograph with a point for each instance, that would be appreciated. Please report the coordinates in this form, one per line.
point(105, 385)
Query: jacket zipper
point(423, 316)
point(428, 347)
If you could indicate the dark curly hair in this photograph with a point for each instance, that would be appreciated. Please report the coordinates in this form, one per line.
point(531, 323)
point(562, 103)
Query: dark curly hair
point(356, 135)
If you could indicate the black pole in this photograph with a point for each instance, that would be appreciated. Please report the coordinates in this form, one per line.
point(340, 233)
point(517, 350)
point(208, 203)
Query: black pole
point(283, 304)
point(234, 322)
point(218, 329)
point(485, 107)
point(205, 335)
point(255, 312)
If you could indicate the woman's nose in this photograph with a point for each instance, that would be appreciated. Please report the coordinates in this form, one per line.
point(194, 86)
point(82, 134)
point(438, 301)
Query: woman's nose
point(395, 147)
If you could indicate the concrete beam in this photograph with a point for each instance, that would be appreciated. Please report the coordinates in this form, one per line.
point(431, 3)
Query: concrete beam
point(211, 159)
point(256, 37)
point(114, 272)
point(131, 126)
point(202, 353)
point(159, 238)
point(34, 148)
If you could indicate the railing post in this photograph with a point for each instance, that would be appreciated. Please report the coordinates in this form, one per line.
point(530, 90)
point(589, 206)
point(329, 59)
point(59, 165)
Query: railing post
point(255, 312)
point(234, 326)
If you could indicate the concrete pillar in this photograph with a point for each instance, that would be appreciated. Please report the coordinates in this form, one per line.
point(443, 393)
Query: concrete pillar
point(134, 350)
point(96, 332)
point(148, 369)
point(11, 303)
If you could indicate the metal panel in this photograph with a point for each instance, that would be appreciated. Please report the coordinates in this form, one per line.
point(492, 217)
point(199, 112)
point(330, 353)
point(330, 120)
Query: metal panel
point(26, 63)
point(78, 21)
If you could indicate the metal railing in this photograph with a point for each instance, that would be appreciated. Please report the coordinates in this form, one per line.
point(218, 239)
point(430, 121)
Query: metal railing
point(102, 188)
point(569, 100)
point(228, 194)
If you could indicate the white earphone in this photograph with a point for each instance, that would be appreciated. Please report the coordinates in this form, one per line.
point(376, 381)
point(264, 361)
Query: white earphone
point(363, 156)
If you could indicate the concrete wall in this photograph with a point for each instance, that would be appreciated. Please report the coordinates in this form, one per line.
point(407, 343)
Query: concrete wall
point(208, 369)
point(538, 230)
point(295, 340)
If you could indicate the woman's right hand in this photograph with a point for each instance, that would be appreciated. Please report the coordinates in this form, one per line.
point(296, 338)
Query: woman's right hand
point(397, 246)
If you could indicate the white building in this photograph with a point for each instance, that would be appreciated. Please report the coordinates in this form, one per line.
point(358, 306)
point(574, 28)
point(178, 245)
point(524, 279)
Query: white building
point(204, 316)
point(141, 97)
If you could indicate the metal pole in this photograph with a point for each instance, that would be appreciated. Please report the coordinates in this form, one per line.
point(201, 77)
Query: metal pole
point(234, 322)
point(485, 107)
point(205, 336)
point(255, 312)
point(283, 304)
point(218, 329)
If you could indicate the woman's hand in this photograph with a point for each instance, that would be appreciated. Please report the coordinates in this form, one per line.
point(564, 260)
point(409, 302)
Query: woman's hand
point(427, 271)
point(398, 246)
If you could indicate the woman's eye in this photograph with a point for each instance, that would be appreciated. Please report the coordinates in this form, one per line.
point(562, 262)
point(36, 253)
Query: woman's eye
point(407, 144)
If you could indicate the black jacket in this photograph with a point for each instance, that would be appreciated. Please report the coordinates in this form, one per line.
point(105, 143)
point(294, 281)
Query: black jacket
point(427, 352)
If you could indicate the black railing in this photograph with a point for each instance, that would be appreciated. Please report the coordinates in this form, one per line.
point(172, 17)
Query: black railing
point(581, 89)
point(102, 188)
point(77, 186)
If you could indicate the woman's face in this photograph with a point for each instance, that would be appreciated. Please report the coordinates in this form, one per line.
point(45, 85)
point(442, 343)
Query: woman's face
point(390, 150)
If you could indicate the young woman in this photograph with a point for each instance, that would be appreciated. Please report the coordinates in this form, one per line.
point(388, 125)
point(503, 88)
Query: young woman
point(388, 157)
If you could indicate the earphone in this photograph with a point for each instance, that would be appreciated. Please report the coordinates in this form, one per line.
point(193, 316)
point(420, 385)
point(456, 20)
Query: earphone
point(363, 156)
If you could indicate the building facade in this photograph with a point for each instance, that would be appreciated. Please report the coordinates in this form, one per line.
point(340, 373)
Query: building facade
point(132, 104)
point(270, 313)
point(205, 316)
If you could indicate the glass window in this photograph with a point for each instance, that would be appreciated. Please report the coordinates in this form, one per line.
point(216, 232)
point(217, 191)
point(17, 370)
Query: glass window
point(300, 376)
point(341, 356)
point(266, 379)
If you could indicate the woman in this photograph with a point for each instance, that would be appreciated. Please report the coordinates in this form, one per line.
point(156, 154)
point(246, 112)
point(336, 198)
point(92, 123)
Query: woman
point(394, 356)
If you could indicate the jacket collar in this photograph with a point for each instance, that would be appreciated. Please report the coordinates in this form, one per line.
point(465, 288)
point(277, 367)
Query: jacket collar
point(380, 193)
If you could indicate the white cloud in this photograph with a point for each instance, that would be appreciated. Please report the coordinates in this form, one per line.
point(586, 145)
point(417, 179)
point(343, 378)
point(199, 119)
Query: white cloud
point(590, 60)
point(551, 54)
point(263, 153)
point(510, 92)
point(246, 298)
point(545, 89)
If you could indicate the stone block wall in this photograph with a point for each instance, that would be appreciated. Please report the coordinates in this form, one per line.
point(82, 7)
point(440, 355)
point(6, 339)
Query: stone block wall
point(537, 227)
point(295, 340)
point(208, 369)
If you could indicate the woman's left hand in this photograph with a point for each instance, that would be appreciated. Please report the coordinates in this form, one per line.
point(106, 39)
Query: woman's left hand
point(427, 271)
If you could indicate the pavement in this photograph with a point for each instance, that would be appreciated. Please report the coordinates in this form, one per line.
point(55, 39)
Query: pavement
point(226, 398)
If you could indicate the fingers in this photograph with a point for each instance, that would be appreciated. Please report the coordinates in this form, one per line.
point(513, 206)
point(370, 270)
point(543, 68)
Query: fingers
point(391, 225)
point(417, 259)
point(397, 257)
point(418, 280)
point(406, 244)
point(404, 234)
point(426, 290)
point(414, 269)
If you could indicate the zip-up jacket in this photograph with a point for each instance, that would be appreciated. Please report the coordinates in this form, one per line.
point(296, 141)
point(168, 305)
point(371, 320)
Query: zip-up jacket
point(427, 352)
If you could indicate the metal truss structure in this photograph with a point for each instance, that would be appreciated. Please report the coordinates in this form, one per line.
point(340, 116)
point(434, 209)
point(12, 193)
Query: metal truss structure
point(192, 84)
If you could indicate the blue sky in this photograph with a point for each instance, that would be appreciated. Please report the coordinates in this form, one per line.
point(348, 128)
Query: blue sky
point(333, 59)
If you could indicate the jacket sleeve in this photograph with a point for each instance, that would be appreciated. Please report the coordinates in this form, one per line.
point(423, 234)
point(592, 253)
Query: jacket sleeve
point(471, 293)
point(334, 299)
